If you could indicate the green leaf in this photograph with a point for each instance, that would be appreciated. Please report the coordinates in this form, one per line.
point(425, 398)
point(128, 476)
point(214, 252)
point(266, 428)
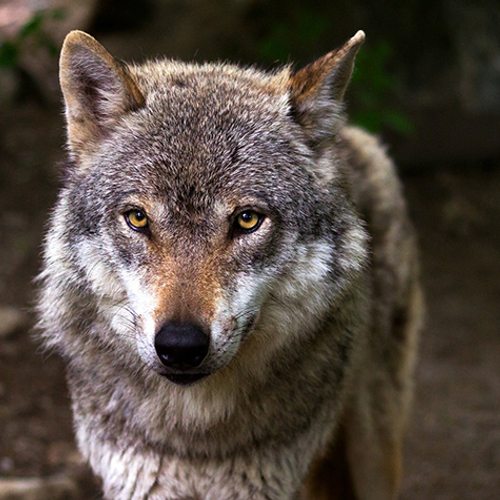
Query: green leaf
point(34, 25)
point(9, 54)
point(58, 14)
point(370, 120)
point(399, 123)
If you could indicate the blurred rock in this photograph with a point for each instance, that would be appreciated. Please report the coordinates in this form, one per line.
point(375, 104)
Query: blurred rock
point(455, 106)
point(11, 320)
point(6, 464)
point(54, 488)
point(475, 29)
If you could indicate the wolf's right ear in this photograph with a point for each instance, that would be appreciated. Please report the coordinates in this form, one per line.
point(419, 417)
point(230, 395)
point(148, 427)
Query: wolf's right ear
point(97, 90)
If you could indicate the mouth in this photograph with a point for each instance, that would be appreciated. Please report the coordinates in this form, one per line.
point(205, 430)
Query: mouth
point(185, 379)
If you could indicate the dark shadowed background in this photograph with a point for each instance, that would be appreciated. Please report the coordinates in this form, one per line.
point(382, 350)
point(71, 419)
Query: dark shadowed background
point(427, 81)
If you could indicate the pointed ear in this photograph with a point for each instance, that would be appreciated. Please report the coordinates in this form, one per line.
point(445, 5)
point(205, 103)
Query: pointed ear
point(97, 90)
point(317, 90)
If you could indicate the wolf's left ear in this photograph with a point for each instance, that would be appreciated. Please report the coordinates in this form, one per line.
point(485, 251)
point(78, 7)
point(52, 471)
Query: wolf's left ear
point(318, 89)
point(97, 90)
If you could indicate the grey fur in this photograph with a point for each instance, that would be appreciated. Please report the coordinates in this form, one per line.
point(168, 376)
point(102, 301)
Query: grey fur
point(311, 323)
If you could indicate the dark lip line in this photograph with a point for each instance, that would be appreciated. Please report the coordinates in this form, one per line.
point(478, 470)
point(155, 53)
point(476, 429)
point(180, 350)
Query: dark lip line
point(184, 378)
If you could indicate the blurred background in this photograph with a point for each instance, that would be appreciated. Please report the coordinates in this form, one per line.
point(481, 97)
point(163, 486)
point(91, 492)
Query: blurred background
point(427, 81)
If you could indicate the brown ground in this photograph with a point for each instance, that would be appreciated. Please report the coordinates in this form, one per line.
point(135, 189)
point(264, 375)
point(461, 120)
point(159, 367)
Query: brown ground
point(454, 441)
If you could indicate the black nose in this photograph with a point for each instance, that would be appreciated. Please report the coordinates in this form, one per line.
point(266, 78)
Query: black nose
point(181, 345)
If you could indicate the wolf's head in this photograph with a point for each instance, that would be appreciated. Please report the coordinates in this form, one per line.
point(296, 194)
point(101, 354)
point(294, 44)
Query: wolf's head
point(206, 214)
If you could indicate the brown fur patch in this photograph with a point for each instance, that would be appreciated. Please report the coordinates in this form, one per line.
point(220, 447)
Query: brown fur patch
point(329, 477)
point(186, 292)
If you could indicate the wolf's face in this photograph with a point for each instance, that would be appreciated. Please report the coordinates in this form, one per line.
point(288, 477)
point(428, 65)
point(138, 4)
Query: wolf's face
point(200, 212)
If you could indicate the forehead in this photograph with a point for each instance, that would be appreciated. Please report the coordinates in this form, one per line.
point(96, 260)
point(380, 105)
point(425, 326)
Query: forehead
point(207, 128)
point(211, 93)
point(212, 107)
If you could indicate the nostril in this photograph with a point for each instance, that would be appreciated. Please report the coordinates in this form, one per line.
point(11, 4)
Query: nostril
point(181, 346)
point(181, 358)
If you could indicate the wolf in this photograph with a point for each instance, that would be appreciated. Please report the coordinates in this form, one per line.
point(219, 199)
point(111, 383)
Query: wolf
point(231, 278)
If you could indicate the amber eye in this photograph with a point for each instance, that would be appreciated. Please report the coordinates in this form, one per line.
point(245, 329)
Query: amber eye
point(137, 219)
point(249, 221)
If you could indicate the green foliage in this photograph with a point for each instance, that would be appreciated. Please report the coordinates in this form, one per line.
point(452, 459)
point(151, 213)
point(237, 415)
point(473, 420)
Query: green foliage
point(301, 28)
point(32, 33)
point(9, 54)
point(373, 88)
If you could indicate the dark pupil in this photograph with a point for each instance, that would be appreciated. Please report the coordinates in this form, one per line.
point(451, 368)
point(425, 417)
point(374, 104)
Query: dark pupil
point(247, 216)
point(139, 215)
